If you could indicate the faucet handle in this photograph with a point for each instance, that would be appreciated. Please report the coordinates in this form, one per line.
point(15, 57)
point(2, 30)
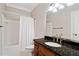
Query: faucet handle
point(61, 40)
point(60, 35)
point(57, 37)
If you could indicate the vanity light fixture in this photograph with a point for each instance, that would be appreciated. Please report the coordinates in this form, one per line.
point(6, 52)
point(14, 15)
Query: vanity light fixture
point(54, 7)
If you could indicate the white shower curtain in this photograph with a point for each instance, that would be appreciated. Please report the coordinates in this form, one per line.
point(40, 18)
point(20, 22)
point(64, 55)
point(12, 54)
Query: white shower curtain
point(26, 32)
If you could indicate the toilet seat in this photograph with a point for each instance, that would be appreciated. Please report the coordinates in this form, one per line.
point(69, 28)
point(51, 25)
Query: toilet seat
point(30, 47)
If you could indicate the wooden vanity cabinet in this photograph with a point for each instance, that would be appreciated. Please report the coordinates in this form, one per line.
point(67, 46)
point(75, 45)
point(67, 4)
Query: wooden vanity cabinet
point(40, 50)
point(45, 51)
point(36, 46)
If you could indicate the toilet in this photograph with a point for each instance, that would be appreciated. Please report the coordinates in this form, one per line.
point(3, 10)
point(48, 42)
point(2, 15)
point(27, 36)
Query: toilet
point(29, 49)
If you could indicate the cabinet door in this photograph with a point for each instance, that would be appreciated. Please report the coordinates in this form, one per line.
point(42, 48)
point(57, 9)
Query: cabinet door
point(35, 49)
point(46, 52)
point(41, 54)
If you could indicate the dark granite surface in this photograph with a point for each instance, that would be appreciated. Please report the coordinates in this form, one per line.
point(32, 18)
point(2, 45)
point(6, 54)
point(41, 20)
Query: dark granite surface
point(65, 50)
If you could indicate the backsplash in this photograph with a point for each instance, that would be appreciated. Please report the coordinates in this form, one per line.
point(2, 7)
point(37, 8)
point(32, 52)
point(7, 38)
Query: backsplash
point(53, 39)
point(66, 42)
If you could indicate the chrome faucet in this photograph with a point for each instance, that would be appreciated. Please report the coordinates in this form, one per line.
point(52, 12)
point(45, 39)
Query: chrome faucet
point(57, 37)
point(60, 38)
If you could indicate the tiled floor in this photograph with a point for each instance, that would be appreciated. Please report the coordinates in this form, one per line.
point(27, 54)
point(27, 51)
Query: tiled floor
point(25, 53)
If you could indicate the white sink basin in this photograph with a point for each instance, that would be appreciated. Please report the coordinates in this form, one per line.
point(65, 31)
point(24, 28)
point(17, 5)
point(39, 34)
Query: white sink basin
point(52, 44)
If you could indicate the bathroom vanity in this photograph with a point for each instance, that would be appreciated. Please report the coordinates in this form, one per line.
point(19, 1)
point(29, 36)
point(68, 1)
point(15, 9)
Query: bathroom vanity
point(41, 50)
point(68, 48)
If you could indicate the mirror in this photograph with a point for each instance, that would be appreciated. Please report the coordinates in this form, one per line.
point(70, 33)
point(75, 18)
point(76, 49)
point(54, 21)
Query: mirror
point(49, 26)
point(64, 22)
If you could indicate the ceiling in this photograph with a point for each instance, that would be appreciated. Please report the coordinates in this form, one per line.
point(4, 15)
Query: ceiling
point(24, 6)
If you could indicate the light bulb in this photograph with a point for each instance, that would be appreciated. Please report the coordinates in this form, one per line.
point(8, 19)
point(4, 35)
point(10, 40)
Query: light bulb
point(57, 5)
point(61, 7)
point(54, 10)
point(70, 4)
point(50, 8)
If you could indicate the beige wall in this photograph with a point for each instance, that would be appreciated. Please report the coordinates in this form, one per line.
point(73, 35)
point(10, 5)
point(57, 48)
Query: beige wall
point(2, 7)
point(61, 19)
point(39, 15)
point(12, 31)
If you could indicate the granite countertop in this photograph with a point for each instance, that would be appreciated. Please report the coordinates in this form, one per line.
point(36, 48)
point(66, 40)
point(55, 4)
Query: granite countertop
point(65, 50)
